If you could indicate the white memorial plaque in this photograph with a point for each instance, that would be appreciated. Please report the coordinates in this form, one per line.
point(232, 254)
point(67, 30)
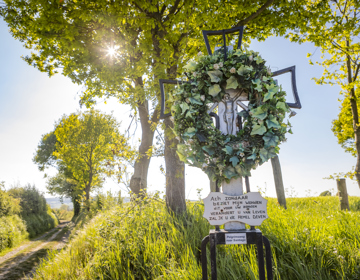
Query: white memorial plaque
point(235, 238)
point(248, 208)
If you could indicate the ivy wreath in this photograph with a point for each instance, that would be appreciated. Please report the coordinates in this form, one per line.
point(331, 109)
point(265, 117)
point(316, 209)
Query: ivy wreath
point(224, 157)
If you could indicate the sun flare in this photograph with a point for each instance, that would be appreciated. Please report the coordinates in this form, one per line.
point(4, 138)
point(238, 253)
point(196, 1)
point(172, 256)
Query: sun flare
point(111, 51)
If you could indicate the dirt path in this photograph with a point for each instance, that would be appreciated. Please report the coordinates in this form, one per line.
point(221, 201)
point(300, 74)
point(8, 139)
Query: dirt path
point(24, 260)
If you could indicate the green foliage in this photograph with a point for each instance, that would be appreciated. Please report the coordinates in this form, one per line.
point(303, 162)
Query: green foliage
point(87, 146)
point(263, 128)
point(34, 210)
point(64, 212)
point(12, 231)
point(8, 205)
point(325, 193)
point(312, 239)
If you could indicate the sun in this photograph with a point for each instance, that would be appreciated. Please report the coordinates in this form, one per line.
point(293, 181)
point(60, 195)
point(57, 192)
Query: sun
point(112, 51)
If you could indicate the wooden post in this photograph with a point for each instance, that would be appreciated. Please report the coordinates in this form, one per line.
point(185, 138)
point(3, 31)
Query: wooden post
point(212, 186)
point(279, 185)
point(343, 195)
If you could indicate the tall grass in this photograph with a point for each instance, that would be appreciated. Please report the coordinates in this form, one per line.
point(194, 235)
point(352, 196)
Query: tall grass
point(12, 231)
point(312, 239)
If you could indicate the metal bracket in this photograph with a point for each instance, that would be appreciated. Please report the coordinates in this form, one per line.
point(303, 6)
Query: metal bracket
point(291, 69)
point(223, 32)
point(162, 92)
point(253, 236)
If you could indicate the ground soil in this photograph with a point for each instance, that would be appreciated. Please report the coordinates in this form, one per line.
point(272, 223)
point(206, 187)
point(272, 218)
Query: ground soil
point(22, 261)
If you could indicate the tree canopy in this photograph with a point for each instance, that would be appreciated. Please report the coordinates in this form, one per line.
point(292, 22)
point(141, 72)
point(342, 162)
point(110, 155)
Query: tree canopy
point(84, 147)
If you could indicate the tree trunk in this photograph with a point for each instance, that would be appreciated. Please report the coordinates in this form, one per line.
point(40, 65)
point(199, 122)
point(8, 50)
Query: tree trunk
point(355, 115)
point(279, 185)
point(138, 181)
point(343, 195)
point(76, 205)
point(87, 197)
point(175, 173)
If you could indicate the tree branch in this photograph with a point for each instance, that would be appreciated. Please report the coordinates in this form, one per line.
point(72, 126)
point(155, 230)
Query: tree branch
point(254, 15)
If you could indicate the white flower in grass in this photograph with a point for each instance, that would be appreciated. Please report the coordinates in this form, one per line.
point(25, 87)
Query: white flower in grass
point(251, 58)
point(232, 70)
point(335, 251)
point(194, 74)
point(200, 53)
point(202, 97)
point(221, 64)
point(216, 66)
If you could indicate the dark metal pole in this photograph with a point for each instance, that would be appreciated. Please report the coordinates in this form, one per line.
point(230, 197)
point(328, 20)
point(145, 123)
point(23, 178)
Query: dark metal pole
point(204, 242)
point(213, 256)
point(268, 258)
point(260, 255)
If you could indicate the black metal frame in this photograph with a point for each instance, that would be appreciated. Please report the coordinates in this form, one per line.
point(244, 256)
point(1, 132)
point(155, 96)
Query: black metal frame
point(223, 32)
point(253, 236)
point(162, 92)
point(297, 104)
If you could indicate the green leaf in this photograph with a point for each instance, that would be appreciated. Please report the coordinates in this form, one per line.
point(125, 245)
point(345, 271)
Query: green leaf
point(210, 150)
point(264, 154)
point(234, 160)
point(258, 84)
point(232, 83)
point(258, 60)
point(272, 122)
point(215, 75)
point(228, 150)
point(253, 156)
point(258, 129)
point(184, 106)
point(190, 132)
point(272, 89)
point(238, 52)
point(243, 70)
point(229, 172)
point(282, 106)
point(182, 157)
point(214, 90)
point(270, 139)
point(258, 113)
point(194, 101)
point(190, 66)
point(242, 171)
point(272, 152)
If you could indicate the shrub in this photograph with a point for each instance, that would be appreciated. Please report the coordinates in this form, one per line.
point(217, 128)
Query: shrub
point(12, 231)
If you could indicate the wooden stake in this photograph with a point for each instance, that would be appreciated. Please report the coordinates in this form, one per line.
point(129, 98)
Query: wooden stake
point(279, 185)
point(343, 195)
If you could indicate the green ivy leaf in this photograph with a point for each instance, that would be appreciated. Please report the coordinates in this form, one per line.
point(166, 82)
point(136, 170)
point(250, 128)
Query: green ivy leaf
point(190, 132)
point(243, 70)
point(258, 129)
point(190, 66)
point(242, 171)
point(264, 154)
point(258, 60)
point(215, 75)
point(272, 122)
point(182, 157)
point(214, 90)
point(194, 101)
point(184, 106)
point(270, 139)
point(272, 89)
point(228, 150)
point(253, 156)
point(232, 83)
point(229, 172)
point(234, 160)
point(282, 106)
point(258, 84)
point(210, 150)
point(258, 113)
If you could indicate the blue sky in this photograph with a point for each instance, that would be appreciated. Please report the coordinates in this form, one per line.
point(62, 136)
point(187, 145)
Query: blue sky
point(30, 103)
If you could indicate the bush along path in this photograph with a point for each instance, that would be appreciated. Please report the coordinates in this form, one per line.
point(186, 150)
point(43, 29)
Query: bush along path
point(22, 261)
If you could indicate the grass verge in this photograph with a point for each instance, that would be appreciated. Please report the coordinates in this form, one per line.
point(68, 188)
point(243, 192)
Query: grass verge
point(312, 239)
